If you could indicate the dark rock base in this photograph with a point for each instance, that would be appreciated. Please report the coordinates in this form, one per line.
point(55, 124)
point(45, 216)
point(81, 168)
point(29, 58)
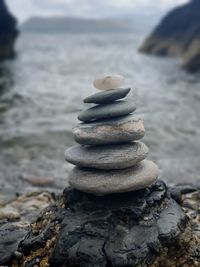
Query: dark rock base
point(143, 228)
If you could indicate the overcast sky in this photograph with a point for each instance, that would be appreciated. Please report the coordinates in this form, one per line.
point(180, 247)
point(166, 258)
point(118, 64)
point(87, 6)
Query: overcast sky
point(24, 9)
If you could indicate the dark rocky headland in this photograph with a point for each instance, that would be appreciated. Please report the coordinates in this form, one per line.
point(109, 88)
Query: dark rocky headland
point(8, 32)
point(178, 34)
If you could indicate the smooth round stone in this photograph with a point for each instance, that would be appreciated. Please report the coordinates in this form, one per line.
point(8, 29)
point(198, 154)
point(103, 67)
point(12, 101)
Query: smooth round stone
point(117, 130)
point(107, 96)
point(114, 109)
point(107, 157)
point(109, 82)
point(102, 182)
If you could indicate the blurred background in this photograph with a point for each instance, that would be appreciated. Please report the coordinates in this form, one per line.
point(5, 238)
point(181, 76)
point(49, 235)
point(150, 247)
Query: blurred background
point(50, 52)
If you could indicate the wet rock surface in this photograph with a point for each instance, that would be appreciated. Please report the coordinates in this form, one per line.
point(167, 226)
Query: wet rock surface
point(144, 228)
point(10, 235)
point(15, 218)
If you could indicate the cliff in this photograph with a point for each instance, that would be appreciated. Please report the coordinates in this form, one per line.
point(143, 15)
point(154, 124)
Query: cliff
point(178, 34)
point(8, 32)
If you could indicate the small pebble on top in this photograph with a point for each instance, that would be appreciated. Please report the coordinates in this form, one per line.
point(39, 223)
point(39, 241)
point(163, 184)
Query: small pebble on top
point(109, 82)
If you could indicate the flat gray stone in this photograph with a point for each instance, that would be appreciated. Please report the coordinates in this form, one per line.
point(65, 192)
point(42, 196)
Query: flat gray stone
point(115, 109)
point(102, 182)
point(107, 157)
point(107, 96)
point(116, 130)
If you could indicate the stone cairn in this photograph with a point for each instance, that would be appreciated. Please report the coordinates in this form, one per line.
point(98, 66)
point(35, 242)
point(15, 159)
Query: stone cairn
point(116, 212)
point(109, 160)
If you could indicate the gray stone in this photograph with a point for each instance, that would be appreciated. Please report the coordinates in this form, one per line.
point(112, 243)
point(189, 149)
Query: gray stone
point(115, 109)
point(107, 157)
point(102, 182)
point(116, 130)
point(107, 96)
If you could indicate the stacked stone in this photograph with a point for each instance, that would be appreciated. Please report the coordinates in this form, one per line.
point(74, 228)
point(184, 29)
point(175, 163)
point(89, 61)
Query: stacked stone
point(109, 158)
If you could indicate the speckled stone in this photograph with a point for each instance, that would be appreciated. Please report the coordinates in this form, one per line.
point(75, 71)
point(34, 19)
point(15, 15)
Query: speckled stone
point(116, 130)
point(102, 182)
point(107, 157)
point(107, 96)
point(109, 82)
point(115, 109)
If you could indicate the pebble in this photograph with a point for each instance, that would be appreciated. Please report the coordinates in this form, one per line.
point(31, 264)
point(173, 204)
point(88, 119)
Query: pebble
point(109, 82)
point(116, 130)
point(107, 157)
point(9, 214)
point(101, 182)
point(115, 109)
point(21, 206)
point(37, 181)
point(107, 96)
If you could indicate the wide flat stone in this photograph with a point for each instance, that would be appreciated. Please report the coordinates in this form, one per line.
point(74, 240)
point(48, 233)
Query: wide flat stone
point(110, 131)
point(109, 82)
point(115, 109)
point(107, 157)
point(107, 96)
point(102, 182)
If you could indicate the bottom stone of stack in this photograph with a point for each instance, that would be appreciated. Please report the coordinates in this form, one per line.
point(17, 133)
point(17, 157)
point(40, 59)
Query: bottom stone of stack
point(102, 182)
